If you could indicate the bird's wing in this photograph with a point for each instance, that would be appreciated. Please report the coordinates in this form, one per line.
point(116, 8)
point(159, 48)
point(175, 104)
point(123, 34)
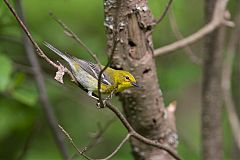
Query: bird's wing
point(94, 71)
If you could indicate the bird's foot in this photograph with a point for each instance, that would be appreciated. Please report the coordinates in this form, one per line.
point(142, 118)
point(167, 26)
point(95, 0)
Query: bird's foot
point(103, 105)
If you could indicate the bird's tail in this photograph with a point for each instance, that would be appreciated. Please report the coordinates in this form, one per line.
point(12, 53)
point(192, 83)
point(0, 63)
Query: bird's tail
point(55, 50)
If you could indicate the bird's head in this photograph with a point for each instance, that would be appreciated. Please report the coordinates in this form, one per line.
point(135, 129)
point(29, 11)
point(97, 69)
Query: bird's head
point(125, 80)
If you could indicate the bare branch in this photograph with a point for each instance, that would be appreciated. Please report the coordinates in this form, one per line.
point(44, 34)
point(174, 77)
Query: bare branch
point(81, 153)
point(218, 19)
point(164, 12)
point(138, 136)
point(71, 34)
point(104, 68)
point(99, 134)
point(38, 49)
point(179, 36)
point(226, 80)
point(46, 105)
point(96, 138)
point(118, 148)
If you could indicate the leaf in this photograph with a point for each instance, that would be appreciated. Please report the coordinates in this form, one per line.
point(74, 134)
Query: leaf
point(5, 72)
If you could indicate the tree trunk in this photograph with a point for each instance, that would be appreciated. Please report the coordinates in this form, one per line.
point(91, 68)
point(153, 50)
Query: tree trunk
point(143, 107)
point(211, 91)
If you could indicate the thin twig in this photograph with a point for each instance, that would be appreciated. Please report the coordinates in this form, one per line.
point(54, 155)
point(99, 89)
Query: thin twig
point(97, 137)
point(115, 38)
point(118, 148)
point(75, 37)
point(104, 68)
point(178, 34)
point(71, 34)
point(164, 12)
point(38, 49)
point(226, 80)
point(217, 20)
point(81, 153)
point(99, 134)
point(46, 105)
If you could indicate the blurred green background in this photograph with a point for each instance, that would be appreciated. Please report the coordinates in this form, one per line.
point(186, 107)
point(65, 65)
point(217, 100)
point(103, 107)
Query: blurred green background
point(21, 116)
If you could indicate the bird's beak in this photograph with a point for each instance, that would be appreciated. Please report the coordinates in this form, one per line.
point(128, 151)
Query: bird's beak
point(135, 84)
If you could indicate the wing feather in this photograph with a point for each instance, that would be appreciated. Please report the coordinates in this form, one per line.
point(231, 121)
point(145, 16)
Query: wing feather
point(94, 71)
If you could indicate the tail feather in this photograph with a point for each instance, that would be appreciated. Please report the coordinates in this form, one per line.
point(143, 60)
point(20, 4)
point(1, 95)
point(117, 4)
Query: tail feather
point(55, 50)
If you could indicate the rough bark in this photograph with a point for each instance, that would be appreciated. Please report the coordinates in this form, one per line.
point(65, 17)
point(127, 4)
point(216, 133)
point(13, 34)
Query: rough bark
point(144, 107)
point(211, 91)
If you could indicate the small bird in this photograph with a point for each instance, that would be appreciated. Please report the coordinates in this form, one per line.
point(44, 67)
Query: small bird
point(86, 74)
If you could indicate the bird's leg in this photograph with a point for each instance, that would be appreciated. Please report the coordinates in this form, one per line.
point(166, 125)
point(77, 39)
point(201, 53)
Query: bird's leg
point(106, 99)
point(94, 97)
point(111, 94)
point(90, 95)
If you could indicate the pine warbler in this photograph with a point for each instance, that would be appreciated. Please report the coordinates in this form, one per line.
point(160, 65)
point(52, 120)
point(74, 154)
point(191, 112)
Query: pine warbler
point(86, 74)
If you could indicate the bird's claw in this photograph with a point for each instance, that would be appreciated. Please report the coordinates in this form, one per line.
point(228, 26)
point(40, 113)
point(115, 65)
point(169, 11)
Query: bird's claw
point(103, 105)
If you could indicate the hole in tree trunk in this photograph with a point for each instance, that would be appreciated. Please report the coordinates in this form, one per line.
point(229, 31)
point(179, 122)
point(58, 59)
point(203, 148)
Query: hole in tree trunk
point(154, 121)
point(146, 70)
point(131, 43)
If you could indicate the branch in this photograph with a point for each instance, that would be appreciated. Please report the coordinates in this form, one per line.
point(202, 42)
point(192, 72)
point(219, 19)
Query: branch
point(85, 149)
point(81, 153)
point(35, 45)
point(164, 12)
point(226, 80)
point(134, 134)
point(46, 105)
point(179, 36)
point(104, 68)
point(118, 148)
point(218, 19)
point(71, 34)
point(99, 134)
point(96, 138)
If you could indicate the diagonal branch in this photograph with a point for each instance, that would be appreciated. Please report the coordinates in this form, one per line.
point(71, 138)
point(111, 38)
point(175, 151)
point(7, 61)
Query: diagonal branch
point(80, 152)
point(178, 34)
point(71, 34)
point(138, 136)
point(35, 45)
point(164, 12)
point(219, 18)
point(97, 137)
point(46, 105)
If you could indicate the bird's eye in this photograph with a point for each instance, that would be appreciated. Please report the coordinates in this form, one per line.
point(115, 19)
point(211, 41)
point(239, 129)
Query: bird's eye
point(127, 78)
